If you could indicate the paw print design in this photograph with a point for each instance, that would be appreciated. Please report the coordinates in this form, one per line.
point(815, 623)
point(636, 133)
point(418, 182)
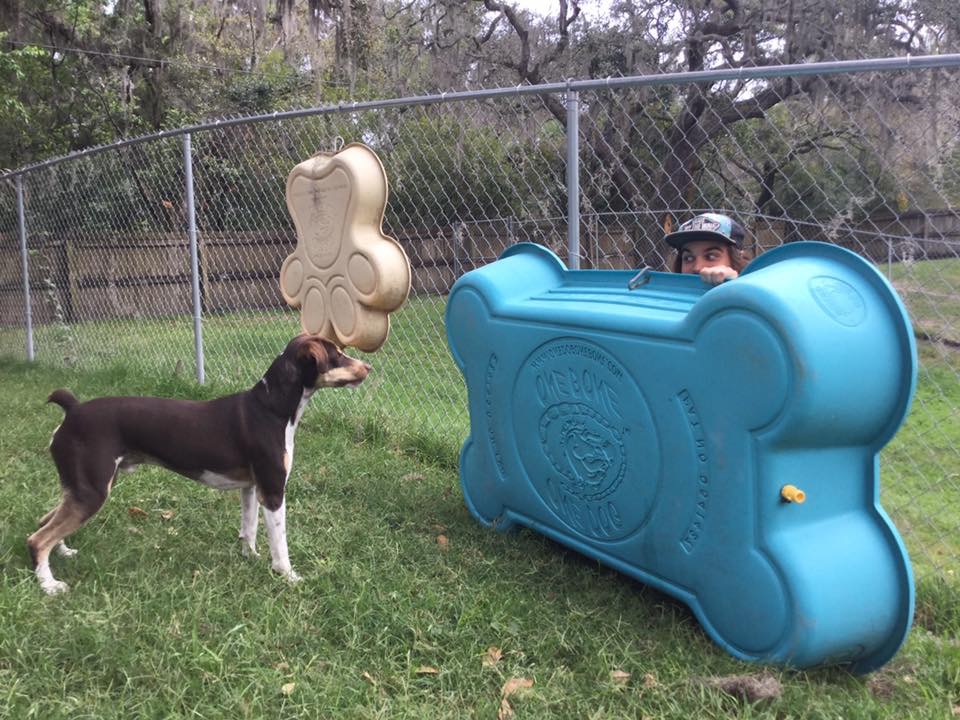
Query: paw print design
point(345, 275)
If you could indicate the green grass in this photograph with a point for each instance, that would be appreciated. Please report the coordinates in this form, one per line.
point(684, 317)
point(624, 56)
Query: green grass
point(920, 468)
point(166, 619)
point(931, 292)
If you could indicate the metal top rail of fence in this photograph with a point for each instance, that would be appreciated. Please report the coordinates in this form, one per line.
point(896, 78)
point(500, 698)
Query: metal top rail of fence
point(678, 78)
point(163, 252)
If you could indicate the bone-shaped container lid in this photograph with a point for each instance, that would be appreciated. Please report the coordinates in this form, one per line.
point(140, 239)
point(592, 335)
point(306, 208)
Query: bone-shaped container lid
point(345, 274)
point(671, 431)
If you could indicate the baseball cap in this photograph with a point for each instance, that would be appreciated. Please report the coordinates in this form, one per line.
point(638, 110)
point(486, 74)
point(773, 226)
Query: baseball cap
point(708, 226)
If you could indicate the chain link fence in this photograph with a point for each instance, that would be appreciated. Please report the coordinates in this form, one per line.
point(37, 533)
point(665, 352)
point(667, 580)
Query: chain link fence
point(97, 272)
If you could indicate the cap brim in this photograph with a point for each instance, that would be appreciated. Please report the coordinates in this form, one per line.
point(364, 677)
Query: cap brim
point(679, 239)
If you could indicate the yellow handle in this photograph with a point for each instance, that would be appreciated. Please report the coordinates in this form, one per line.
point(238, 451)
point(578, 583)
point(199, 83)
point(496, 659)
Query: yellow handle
point(791, 493)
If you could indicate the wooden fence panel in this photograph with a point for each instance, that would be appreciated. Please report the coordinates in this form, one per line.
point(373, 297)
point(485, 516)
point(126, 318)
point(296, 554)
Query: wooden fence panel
point(82, 278)
point(241, 271)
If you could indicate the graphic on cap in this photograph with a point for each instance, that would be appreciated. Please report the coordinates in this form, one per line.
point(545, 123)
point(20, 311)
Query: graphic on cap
point(708, 226)
point(701, 222)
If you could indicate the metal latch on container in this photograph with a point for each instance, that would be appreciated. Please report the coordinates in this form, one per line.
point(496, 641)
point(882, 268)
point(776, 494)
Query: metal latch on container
point(640, 279)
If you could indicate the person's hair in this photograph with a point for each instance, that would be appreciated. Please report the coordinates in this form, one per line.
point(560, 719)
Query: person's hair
point(738, 259)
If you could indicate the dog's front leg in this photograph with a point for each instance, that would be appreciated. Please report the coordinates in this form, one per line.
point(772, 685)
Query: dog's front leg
point(271, 481)
point(276, 523)
point(248, 521)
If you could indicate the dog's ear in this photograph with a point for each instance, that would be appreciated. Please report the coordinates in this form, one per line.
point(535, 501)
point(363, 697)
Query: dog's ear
point(313, 359)
point(312, 350)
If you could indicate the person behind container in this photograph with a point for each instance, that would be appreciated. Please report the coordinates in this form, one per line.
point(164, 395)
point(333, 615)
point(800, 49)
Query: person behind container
point(709, 245)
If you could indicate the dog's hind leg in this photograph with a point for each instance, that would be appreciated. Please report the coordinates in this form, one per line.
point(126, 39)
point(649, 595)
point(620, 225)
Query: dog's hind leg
point(62, 549)
point(81, 499)
point(46, 518)
point(67, 518)
point(248, 521)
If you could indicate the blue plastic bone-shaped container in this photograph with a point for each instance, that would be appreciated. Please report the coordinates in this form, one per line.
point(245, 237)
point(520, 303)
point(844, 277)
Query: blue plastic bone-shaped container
point(671, 432)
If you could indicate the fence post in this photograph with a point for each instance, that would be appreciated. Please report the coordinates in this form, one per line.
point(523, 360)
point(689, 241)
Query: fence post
point(456, 241)
point(22, 222)
point(194, 258)
point(573, 179)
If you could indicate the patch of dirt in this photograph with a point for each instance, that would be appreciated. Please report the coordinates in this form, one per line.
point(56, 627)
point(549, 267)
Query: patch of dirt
point(752, 688)
point(882, 686)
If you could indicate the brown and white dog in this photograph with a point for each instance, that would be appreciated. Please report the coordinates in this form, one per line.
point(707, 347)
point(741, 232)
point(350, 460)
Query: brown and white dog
point(238, 442)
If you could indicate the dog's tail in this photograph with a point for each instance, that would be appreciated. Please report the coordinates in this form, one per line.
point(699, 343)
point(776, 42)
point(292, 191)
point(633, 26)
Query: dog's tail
point(63, 398)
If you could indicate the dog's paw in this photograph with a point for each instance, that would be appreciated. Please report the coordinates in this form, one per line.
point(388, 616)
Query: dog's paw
point(249, 551)
point(54, 587)
point(289, 574)
point(64, 551)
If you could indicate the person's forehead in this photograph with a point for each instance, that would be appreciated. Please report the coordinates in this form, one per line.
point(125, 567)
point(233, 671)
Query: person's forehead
point(702, 246)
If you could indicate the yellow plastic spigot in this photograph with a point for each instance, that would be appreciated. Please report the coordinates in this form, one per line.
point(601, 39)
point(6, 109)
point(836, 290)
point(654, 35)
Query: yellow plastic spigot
point(791, 493)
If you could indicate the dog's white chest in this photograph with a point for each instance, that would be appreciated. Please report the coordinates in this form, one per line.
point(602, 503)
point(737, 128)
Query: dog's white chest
point(291, 431)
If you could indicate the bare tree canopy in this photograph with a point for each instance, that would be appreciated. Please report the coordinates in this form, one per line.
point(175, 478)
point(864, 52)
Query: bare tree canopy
point(86, 73)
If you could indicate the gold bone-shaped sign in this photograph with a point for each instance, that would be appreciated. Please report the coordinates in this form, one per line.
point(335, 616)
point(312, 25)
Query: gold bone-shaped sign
point(345, 275)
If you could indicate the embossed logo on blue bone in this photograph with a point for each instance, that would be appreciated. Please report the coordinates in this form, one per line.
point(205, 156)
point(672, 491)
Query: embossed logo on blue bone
point(839, 300)
point(594, 456)
point(584, 448)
